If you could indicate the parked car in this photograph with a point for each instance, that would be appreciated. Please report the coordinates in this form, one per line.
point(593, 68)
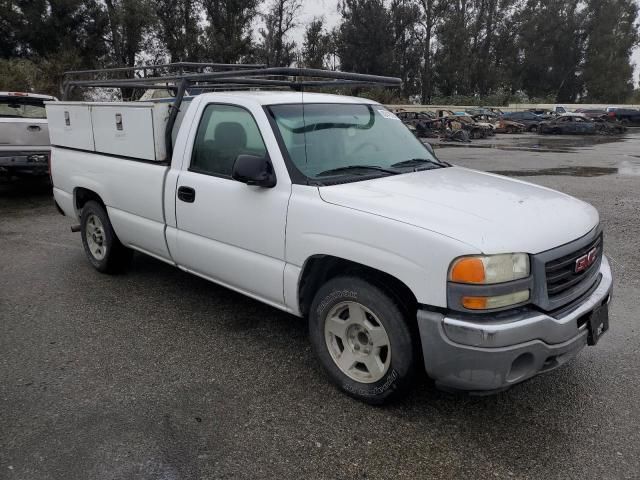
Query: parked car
point(329, 208)
point(569, 124)
point(500, 125)
point(424, 124)
point(474, 129)
point(495, 111)
point(24, 136)
point(593, 113)
point(530, 120)
point(626, 116)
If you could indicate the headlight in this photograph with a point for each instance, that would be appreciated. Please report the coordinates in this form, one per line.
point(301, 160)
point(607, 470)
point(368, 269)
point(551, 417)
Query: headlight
point(489, 282)
point(489, 269)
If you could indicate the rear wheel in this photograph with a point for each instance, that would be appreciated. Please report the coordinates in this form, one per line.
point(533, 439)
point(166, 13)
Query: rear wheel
point(363, 339)
point(101, 245)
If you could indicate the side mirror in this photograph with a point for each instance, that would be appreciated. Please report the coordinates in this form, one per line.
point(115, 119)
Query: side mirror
point(254, 170)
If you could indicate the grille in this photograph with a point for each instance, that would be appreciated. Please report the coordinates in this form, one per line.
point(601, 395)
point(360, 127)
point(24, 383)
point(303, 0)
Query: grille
point(561, 274)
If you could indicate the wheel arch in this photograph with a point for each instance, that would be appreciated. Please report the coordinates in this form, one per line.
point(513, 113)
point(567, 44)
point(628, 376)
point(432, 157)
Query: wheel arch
point(320, 268)
point(82, 195)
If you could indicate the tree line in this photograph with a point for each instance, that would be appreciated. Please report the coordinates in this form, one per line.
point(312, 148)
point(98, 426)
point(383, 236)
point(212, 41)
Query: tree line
point(463, 51)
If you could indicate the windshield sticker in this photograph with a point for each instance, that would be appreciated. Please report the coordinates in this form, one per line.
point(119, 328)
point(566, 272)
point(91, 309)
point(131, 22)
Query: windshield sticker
point(388, 114)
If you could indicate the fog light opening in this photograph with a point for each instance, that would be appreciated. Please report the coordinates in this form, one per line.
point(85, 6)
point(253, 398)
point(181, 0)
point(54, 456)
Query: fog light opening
point(521, 367)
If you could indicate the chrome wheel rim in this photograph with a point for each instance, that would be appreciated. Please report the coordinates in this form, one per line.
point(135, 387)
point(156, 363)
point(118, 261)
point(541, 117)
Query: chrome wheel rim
point(94, 233)
point(357, 342)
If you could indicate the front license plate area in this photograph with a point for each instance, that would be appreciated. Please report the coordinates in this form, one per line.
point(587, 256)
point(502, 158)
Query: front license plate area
point(598, 324)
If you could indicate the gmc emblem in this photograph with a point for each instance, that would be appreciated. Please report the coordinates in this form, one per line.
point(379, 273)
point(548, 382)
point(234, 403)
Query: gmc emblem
point(587, 260)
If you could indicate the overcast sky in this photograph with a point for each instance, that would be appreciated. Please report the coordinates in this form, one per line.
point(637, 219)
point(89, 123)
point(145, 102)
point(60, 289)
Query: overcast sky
point(328, 9)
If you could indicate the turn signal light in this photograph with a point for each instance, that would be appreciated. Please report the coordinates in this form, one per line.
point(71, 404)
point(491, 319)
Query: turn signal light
point(468, 270)
point(489, 303)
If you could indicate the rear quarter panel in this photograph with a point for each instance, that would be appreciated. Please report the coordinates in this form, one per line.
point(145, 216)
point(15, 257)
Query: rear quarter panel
point(131, 190)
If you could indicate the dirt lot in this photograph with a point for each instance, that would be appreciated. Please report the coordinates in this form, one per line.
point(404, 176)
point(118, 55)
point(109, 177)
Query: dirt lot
point(160, 375)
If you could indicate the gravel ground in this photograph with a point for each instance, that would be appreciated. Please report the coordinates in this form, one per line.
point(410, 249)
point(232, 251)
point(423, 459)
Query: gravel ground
point(160, 375)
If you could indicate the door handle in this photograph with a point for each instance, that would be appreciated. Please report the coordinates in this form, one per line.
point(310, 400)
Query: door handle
point(187, 194)
point(34, 128)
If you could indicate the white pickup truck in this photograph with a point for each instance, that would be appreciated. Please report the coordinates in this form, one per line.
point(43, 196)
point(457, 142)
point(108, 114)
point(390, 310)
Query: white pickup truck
point(24, 138)
point(327, 207)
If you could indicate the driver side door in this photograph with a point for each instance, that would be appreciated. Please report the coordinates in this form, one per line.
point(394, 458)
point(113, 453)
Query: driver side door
point(230, 232)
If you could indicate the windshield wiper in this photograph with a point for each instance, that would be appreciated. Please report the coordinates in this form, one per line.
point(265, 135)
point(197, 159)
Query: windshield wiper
point(339, 170)
point(418, 161)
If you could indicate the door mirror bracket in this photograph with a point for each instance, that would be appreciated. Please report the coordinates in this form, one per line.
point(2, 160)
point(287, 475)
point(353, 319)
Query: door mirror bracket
point(254, 170)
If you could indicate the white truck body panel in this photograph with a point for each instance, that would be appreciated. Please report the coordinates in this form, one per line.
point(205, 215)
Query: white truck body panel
point(128, 129)
point(495, 214)
point(127, 132)
point(410, 226)
point(70, 126)
point(132, 192)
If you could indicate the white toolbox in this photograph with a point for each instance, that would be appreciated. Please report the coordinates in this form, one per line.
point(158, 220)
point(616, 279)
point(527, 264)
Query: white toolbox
point(130, 129)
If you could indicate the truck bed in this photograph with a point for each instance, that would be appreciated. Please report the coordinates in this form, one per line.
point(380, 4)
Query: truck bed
point(125, 187)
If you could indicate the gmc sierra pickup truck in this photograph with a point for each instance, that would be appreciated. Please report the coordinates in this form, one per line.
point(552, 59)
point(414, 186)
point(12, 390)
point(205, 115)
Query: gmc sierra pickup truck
point(24, 138)
point(329, 208)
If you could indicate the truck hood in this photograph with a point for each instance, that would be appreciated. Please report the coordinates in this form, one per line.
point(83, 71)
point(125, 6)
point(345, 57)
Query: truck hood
point(492, 213)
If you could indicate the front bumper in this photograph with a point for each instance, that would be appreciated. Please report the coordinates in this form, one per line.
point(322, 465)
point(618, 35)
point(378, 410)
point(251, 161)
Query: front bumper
point(493, 354)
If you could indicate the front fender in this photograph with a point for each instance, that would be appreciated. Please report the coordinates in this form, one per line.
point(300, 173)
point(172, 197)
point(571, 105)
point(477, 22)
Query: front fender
point(417, 257)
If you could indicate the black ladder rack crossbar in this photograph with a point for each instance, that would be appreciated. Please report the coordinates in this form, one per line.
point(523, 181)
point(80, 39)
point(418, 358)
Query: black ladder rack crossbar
point(231, 75)
point(180, 66)
point(253, 76)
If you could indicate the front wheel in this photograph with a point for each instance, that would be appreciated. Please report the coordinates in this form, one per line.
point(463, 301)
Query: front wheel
point(101, 245)
point(363, 339)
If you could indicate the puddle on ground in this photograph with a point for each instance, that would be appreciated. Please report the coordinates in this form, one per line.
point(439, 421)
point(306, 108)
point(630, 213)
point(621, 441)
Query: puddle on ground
point(560, 171)
point(625, 167)
point(548, 144)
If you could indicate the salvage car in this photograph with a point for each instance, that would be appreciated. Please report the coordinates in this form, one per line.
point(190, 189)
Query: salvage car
point(24, 136)
point(500, 125)
point(329, 208)
point(424, 124)
point(530, 120)
point(626, 116)
point(569, 124)
point(593, 113)
point(474, 129)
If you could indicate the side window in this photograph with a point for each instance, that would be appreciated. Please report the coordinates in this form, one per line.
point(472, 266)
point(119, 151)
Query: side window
point(225, 131)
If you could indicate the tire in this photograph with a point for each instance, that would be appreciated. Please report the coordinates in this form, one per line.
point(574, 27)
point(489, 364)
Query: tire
point(363, 339)
point(533, 129)
point(101, 245)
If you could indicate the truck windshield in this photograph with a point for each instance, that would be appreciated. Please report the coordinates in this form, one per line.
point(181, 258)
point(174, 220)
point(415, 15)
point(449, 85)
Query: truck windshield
point(329, 140)
point(22, 107)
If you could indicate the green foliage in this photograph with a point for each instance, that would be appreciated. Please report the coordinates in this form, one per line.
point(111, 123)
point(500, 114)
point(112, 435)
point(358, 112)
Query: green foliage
point(611, 35)
point(275, 49)
point(317, 45)
point(470, 52)
point(365, 40)
point(39, 75)
point(227, 36)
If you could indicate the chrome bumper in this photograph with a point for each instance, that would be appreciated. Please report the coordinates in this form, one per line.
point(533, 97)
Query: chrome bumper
point(492, 354)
